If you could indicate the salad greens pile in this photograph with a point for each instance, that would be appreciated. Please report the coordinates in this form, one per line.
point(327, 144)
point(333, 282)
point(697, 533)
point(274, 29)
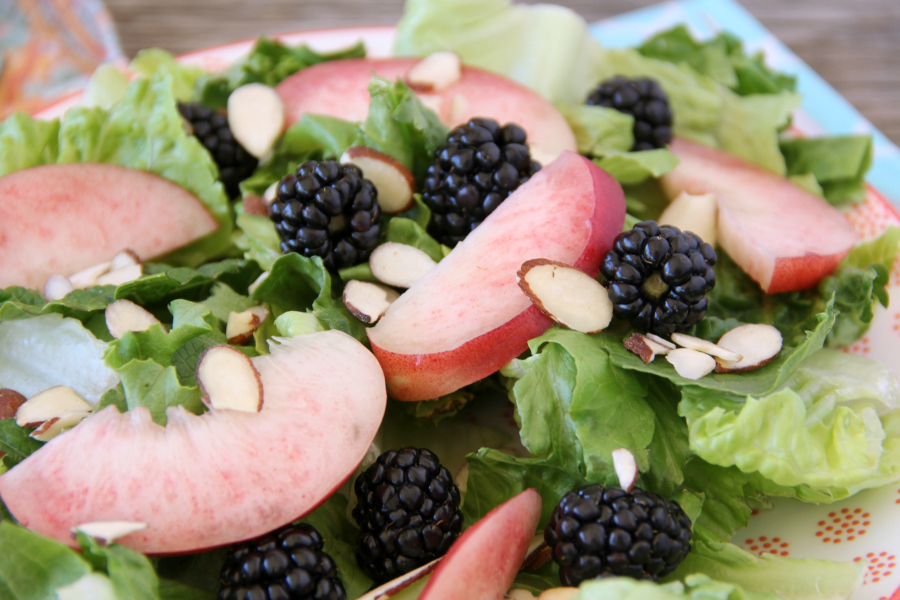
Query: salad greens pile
point(816, 424)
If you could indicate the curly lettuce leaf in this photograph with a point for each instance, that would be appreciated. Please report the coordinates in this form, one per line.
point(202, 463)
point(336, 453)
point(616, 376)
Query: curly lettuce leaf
point(155, 61)
point(838, 163)
point(27, 142)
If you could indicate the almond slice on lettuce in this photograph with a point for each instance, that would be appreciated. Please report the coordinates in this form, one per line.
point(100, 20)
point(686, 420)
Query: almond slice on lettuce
point(368, 301)
point(757, 344)
point(691, 364)
point(567, 295)
point(228, 380)
point(242, 325)
point(123, 316)
point(700, 345)
point(645, 347)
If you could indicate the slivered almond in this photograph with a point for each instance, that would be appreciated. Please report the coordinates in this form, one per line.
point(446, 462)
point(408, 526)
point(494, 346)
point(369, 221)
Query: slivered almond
point(57, 287)
point(52, 403)
point(644, 347)
point(242, 325)
point(53, 427)
point(399, 265)
point(567, 295)
point(661, 341)
point(625, 467)
point(256, 117)
point(252, 287)
point(757, 344)
point(368, 301)
point(85, 278)
point(700, 345)
point(435, 72)
point(122, 276)
point(228, 380)
point(691, 364)
point(125, 258)
point(109, 531)
point(394, 182)
point(123, 316)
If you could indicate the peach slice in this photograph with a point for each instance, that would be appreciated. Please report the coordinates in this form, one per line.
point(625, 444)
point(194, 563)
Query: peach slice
point(784, 237)
point(340, 88)
point(60, 219)
point(467, 317)
point(214, 479)
point(483, 562)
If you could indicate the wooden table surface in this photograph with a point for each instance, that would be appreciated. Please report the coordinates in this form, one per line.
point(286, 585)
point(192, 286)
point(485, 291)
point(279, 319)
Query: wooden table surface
point(853, 44)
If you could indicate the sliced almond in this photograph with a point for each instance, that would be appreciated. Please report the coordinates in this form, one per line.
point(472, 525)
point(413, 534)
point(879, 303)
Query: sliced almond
point(109, 531)
point(700, 345)
point(540, 155)
point(567, 295)
point(271, 193)
point(252, 287)
point(123, 316)
point(228, 380)
point(433, 101)
point(242, 325)
point(644, 347)
point(395, 586)
point(693, 212)
point(538, 554)
point(459, 106)
point(52, 428)
point(52, 403)
point(691, 364)
point(256, 117)
point(10, 401)
point(125, 258)
point(121, 276)
point(85, 278)
point(399, 265)
point(661, 341)
point(758, 345)
point(394, 182)
point(57, 287)
point(435, 72)
point(368, 301)
point(626, 468)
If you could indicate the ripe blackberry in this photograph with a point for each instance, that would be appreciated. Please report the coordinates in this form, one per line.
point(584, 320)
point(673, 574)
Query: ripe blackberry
point(598, 532)
point(658, 277)
point(287, 563)
point(408, 513)
point(643, 99)
point(475, 170)
point(211, 128)
point(327, 209)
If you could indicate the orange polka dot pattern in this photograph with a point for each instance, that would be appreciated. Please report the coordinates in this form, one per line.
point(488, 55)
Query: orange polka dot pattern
point(843, 526)
point(766, 545)
point(878, 565)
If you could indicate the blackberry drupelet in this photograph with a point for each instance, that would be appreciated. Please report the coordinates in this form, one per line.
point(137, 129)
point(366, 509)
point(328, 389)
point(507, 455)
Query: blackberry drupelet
point(598, 532)
point(476, 169)
point(658, 277)
point(328, 210)
point(643, 99)
point(286, 564)
point(408, 513)
point(211, 128)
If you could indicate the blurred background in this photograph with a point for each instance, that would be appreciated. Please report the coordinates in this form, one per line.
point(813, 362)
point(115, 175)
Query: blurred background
point(853, 44)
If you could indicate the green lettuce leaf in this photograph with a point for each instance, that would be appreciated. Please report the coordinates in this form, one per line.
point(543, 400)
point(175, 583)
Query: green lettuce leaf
point(727, 495)
point(130, 572)
point(83, 305)
point(15, 443)
point(293, 323)
point(599, 131)
point(27, 142)
point(106, 86)
point(155, 61)
point(155, 387)
point(33, 567)
point(269, 62)
point(838, 163)
point(697, 587)
point(630, 168)
point(258, 239)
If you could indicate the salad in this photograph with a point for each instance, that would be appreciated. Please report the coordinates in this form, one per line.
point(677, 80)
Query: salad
point(551, 419)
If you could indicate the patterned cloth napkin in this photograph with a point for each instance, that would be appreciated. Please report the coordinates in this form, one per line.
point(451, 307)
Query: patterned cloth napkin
point(49, 48)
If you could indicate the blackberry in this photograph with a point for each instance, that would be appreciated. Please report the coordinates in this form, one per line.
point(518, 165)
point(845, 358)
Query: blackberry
point(328, 210)
point(287, 563)
point(598, 532)
point(658, 277)
point(475, 170)
point(643, 99)
point(211, 128)
point(408, 513)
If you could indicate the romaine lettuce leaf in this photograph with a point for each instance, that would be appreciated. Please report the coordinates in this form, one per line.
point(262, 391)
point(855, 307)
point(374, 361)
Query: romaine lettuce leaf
point(838, 163)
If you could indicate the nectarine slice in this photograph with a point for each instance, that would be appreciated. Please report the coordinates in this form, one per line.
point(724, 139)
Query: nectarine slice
point(60, 219)
point(467, 317)
point(224, 476)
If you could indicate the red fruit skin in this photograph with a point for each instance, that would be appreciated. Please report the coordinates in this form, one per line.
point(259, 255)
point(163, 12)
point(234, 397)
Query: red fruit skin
point(483, 562)
point(59, 219)
point(784, 237)
point(424, 376)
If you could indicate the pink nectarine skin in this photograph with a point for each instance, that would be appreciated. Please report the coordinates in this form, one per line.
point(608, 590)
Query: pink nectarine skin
point(483, 562)
point(340, 89)
point(209, 480)
point(784, 237)
point(59, 219)
point(467, 317)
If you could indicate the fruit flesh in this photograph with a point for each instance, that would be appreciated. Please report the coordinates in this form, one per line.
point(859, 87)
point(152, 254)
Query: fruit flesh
point(209, 480)
point(482, 564)
point(785, 238)
point(477, 93)
point(467, 317)
point(60, 219)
